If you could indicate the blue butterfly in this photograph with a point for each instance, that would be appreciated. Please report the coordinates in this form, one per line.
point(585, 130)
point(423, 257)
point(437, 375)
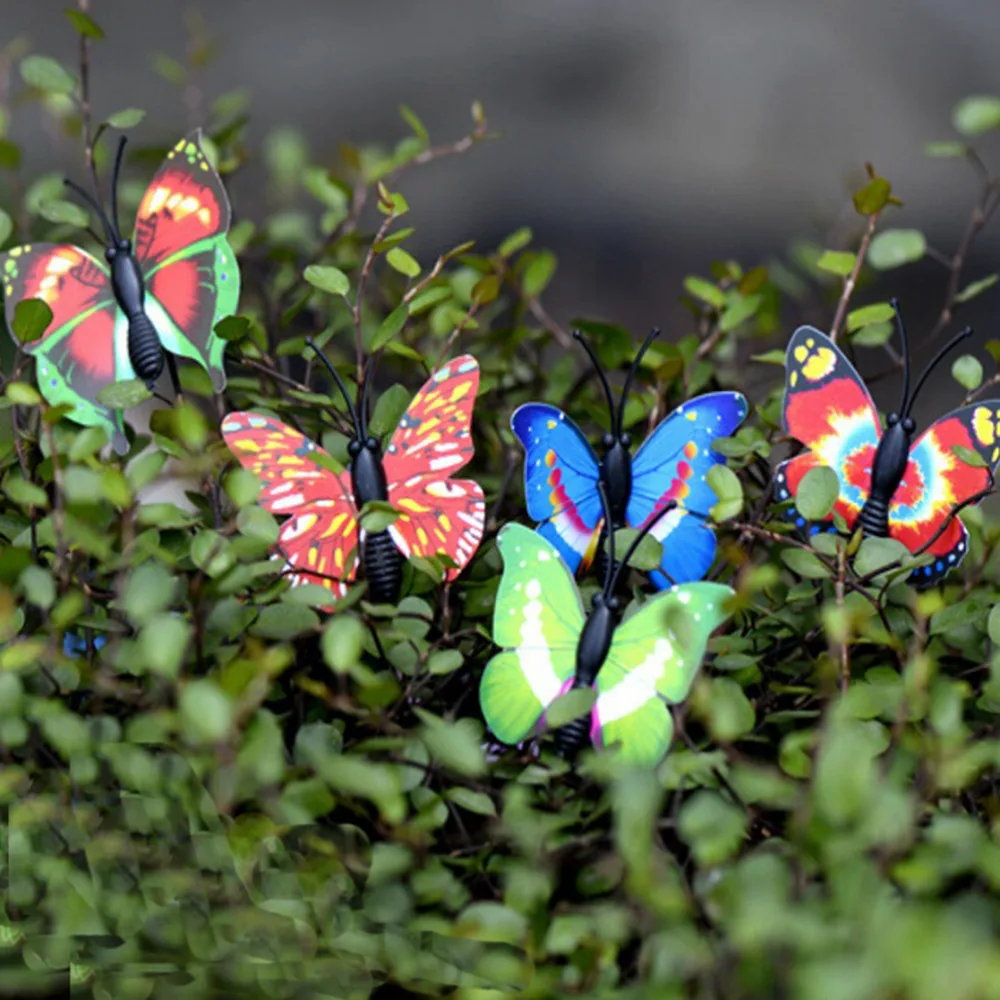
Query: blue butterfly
point(562, 472)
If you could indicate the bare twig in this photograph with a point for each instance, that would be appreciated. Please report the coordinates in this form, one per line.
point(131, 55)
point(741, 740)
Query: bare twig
point(852, 279)
point(366, 270)
point(86, 116)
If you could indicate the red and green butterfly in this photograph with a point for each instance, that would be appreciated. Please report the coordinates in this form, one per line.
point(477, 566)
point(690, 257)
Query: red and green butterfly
point(163, 290)
point(323, 541)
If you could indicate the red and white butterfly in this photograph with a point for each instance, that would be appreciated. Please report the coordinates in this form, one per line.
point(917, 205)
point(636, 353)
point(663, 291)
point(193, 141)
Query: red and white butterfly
point(322, 542)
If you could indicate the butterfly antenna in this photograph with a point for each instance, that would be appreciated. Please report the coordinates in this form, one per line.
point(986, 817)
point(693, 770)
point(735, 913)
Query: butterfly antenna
point(900, 326)
point(114, 185)
point(95, 205)
point(653, 334)
point(646, 529)
point(609, 527)
point(963, 334)
point(577, 335)
point(340, 384)
point(366, 392)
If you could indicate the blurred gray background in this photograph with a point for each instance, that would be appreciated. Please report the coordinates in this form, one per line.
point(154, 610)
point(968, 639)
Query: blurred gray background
point(641, 138)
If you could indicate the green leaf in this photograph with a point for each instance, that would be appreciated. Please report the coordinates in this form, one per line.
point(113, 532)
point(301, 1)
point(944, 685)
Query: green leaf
point(327, 278)
point(514, 243)
point(390, 326)
point(472, 801)
point(428, 298)
point(255, 522)
point(493, 923)
point(704, 290)
point(377, 515)
point(817, 492)
point(38, 586)
point(343, 642)
point(730, 714)
point(775, 357)
point(285, 621)
point(148, 591)
point(977, 114)
point(411, 119)
point(726, 486)
point(570, 706)
point(873, 335)
point(22, 394)
point(6, 227)
point(946, 149)
point(967, 371)
point(206, 712)
point(212, 553)
point(84, 24)
point(838, 262)
point(123, 395)
point(876, 553)
point(538, 272)
point(456, 745)
point(873, 197)
point(712, 827)
point(993, 624)
point(878, 312)
point(31, 319)
point(646, 557)
point(970, 457)
point(805, 564)
point(47, 74)
point(126, 118)
point(64, 212)
point(399, 260)
point(894, 247)
point(388, 410)
point(740, 309)
point(445, 661)
point(163, 644)
point(970, 291)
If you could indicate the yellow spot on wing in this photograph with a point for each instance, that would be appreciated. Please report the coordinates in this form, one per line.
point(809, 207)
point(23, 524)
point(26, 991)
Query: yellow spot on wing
point(982, 423)
point(822, 362)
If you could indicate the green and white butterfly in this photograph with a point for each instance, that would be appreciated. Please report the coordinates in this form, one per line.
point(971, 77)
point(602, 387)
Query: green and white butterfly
point(539, 621)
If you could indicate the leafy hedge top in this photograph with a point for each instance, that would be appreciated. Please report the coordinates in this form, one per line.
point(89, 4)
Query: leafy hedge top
point(231, 793)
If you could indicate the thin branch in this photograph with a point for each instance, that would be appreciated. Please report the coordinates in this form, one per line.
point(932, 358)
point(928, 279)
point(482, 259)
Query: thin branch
point(852, 279)
point(366, 270)
point(86, 117)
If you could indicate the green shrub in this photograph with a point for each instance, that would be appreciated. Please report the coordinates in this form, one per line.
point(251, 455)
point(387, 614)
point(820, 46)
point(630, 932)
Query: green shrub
point(212, 789)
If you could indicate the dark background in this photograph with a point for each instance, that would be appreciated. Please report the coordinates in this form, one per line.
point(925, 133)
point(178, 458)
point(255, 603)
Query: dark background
point(641, 139)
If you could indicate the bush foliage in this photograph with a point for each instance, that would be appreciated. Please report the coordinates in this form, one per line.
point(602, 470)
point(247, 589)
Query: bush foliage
point(212, 789)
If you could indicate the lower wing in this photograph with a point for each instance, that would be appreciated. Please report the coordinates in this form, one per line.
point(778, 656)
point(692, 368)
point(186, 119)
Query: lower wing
point(560, 481)
point(937, 482)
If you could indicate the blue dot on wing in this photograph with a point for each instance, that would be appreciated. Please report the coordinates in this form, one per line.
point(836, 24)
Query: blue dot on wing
point(813, 529)
point(800, 522)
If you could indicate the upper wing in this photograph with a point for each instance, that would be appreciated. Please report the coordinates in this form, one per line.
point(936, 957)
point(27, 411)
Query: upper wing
point(829, 409)
point(670, 467)
point(433, 440)
point(937, 481)
point(654, 656)
point(320, 540)
point(560, 481)
point(184, 204)
point(537, 620)
point(77, 354)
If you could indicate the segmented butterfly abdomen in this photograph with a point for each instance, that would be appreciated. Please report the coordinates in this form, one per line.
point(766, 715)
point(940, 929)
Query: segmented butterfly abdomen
point(571, 737)
point(383, 568)
point(874, 518)
point(144, 350)
point(601, 560)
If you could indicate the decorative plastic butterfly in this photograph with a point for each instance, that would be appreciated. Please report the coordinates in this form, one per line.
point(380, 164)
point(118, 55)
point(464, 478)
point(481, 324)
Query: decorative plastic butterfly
point(562, 473)
point(163, 290)
point(890, 486)
point(550, 645)
point(322, 542)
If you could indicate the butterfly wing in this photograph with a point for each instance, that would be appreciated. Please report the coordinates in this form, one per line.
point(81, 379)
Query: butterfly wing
point(80, 352)
point(537, 621)
point(560, 481)
point(670, 467)
point(829, 409)
point(653, 660)
point(192, 279)
point(319, 541)
point(936, 481)
point(438, 515)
